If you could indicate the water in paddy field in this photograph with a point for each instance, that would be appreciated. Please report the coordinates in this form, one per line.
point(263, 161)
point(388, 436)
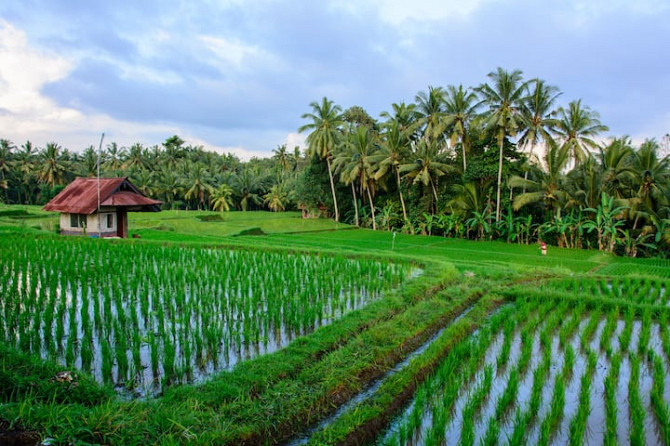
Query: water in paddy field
point(374, 386)
point(187, 313)
point(596, 419)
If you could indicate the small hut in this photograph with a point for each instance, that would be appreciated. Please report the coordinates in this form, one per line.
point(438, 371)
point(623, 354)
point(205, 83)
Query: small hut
point(99, 207)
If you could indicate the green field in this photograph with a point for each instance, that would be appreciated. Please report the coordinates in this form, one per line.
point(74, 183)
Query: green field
point(261, 328)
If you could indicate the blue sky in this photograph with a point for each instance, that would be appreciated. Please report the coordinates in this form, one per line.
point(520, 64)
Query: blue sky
point(237, 75)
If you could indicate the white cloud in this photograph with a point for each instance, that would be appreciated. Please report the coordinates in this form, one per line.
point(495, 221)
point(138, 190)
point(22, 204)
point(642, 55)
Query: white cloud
point(232, 54)
point(398, 12)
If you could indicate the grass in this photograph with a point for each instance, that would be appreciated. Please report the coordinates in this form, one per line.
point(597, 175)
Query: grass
point(511, 289)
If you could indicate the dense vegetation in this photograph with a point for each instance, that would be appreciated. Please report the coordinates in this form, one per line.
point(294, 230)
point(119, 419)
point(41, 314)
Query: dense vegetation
point(499, 161)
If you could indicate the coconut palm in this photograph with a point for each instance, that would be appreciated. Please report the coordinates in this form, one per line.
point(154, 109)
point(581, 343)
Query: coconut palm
point(282, 157)
point(616, 161)
point(198, 184)
point(505, 100)
point(405, 115)
point(135, 158)
point(460, 106)
point(426, 166)
point(577, 126)
point(545, 186)
point(326, 130)
point(430, 112)
point(537, 116)
point(221, 198)
point(53, 167)
point(651, 177)
point(170, 186)
point(276, 198)
point(114, 157)
point(248, 186)
point(355, 164)
point(393, 149)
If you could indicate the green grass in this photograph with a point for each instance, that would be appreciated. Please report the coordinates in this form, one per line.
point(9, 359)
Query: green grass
point(274, 396)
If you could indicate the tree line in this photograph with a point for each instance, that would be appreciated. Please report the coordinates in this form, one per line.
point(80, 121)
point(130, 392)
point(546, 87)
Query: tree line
point(502, 160)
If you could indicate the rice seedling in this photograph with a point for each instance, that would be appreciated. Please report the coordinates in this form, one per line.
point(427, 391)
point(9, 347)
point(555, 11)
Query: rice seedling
point(658, 404)
point(578, 423)
point(611, 408)
point(636, 408)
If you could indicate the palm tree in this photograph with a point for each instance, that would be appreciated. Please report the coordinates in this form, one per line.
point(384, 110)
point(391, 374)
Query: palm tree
point(393, 149)
point(136, 158)
point(221, 198)
point(546, 186)
point(198, 183)
point(24, 161)
point(114, 157)
point(276, 198)
point(426, 166)
point(282, 157)
point(170, 185)
point(247, 186)
point(505, 100)
point(430, 112)
point(460, 107)
point(326, 125)
point(54, 168)
point(406, 116)
point(651, 177)
point(537, 116)
point(616, 161)
point(355, 164)
point(577, 126)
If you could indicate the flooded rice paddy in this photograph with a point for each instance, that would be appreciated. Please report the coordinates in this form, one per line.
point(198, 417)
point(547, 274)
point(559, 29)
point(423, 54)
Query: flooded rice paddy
point(142, 316)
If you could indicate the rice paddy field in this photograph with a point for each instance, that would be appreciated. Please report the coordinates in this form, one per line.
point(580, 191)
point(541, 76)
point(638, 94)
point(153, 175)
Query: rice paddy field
point(254, 328)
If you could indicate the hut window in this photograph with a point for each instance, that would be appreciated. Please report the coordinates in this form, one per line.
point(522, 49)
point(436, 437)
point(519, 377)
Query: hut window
point(77, 220)
point(110, 221)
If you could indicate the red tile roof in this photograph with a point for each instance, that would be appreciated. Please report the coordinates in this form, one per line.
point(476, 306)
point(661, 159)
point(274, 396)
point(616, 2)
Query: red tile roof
point(81, 196)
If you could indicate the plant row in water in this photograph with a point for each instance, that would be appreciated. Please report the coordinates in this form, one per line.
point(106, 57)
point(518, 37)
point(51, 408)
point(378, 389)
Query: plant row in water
point(143, 315)
point(535, 374)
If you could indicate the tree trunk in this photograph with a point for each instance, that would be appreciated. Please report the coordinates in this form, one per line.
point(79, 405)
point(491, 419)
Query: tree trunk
point(432, 185)
point(402, 201)
point(500, 167)
point(332, 188)
point(372, 209)
point(465, 164)
point(353, 191)
point(525, 174)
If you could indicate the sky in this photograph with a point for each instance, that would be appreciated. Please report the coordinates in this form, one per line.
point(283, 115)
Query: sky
point(237, 75)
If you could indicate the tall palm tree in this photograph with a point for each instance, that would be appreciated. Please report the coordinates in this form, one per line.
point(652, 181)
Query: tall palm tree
point(406, 116)
point(54, 168)
point(537, 116)
point(326, 129)
point(651, 181)
point(577, 126)
point(248, 186)
point(460, 108)
point(198, 184)
point(426, 166)
point(430, 112)
point(135, 158)
point(356, 164)
point(24, 162)
point(170, 186)
point(505, 100)
point(546, 186)
point(393, 149)
point(282, 157)
point(616, 161)
point(114, 157)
